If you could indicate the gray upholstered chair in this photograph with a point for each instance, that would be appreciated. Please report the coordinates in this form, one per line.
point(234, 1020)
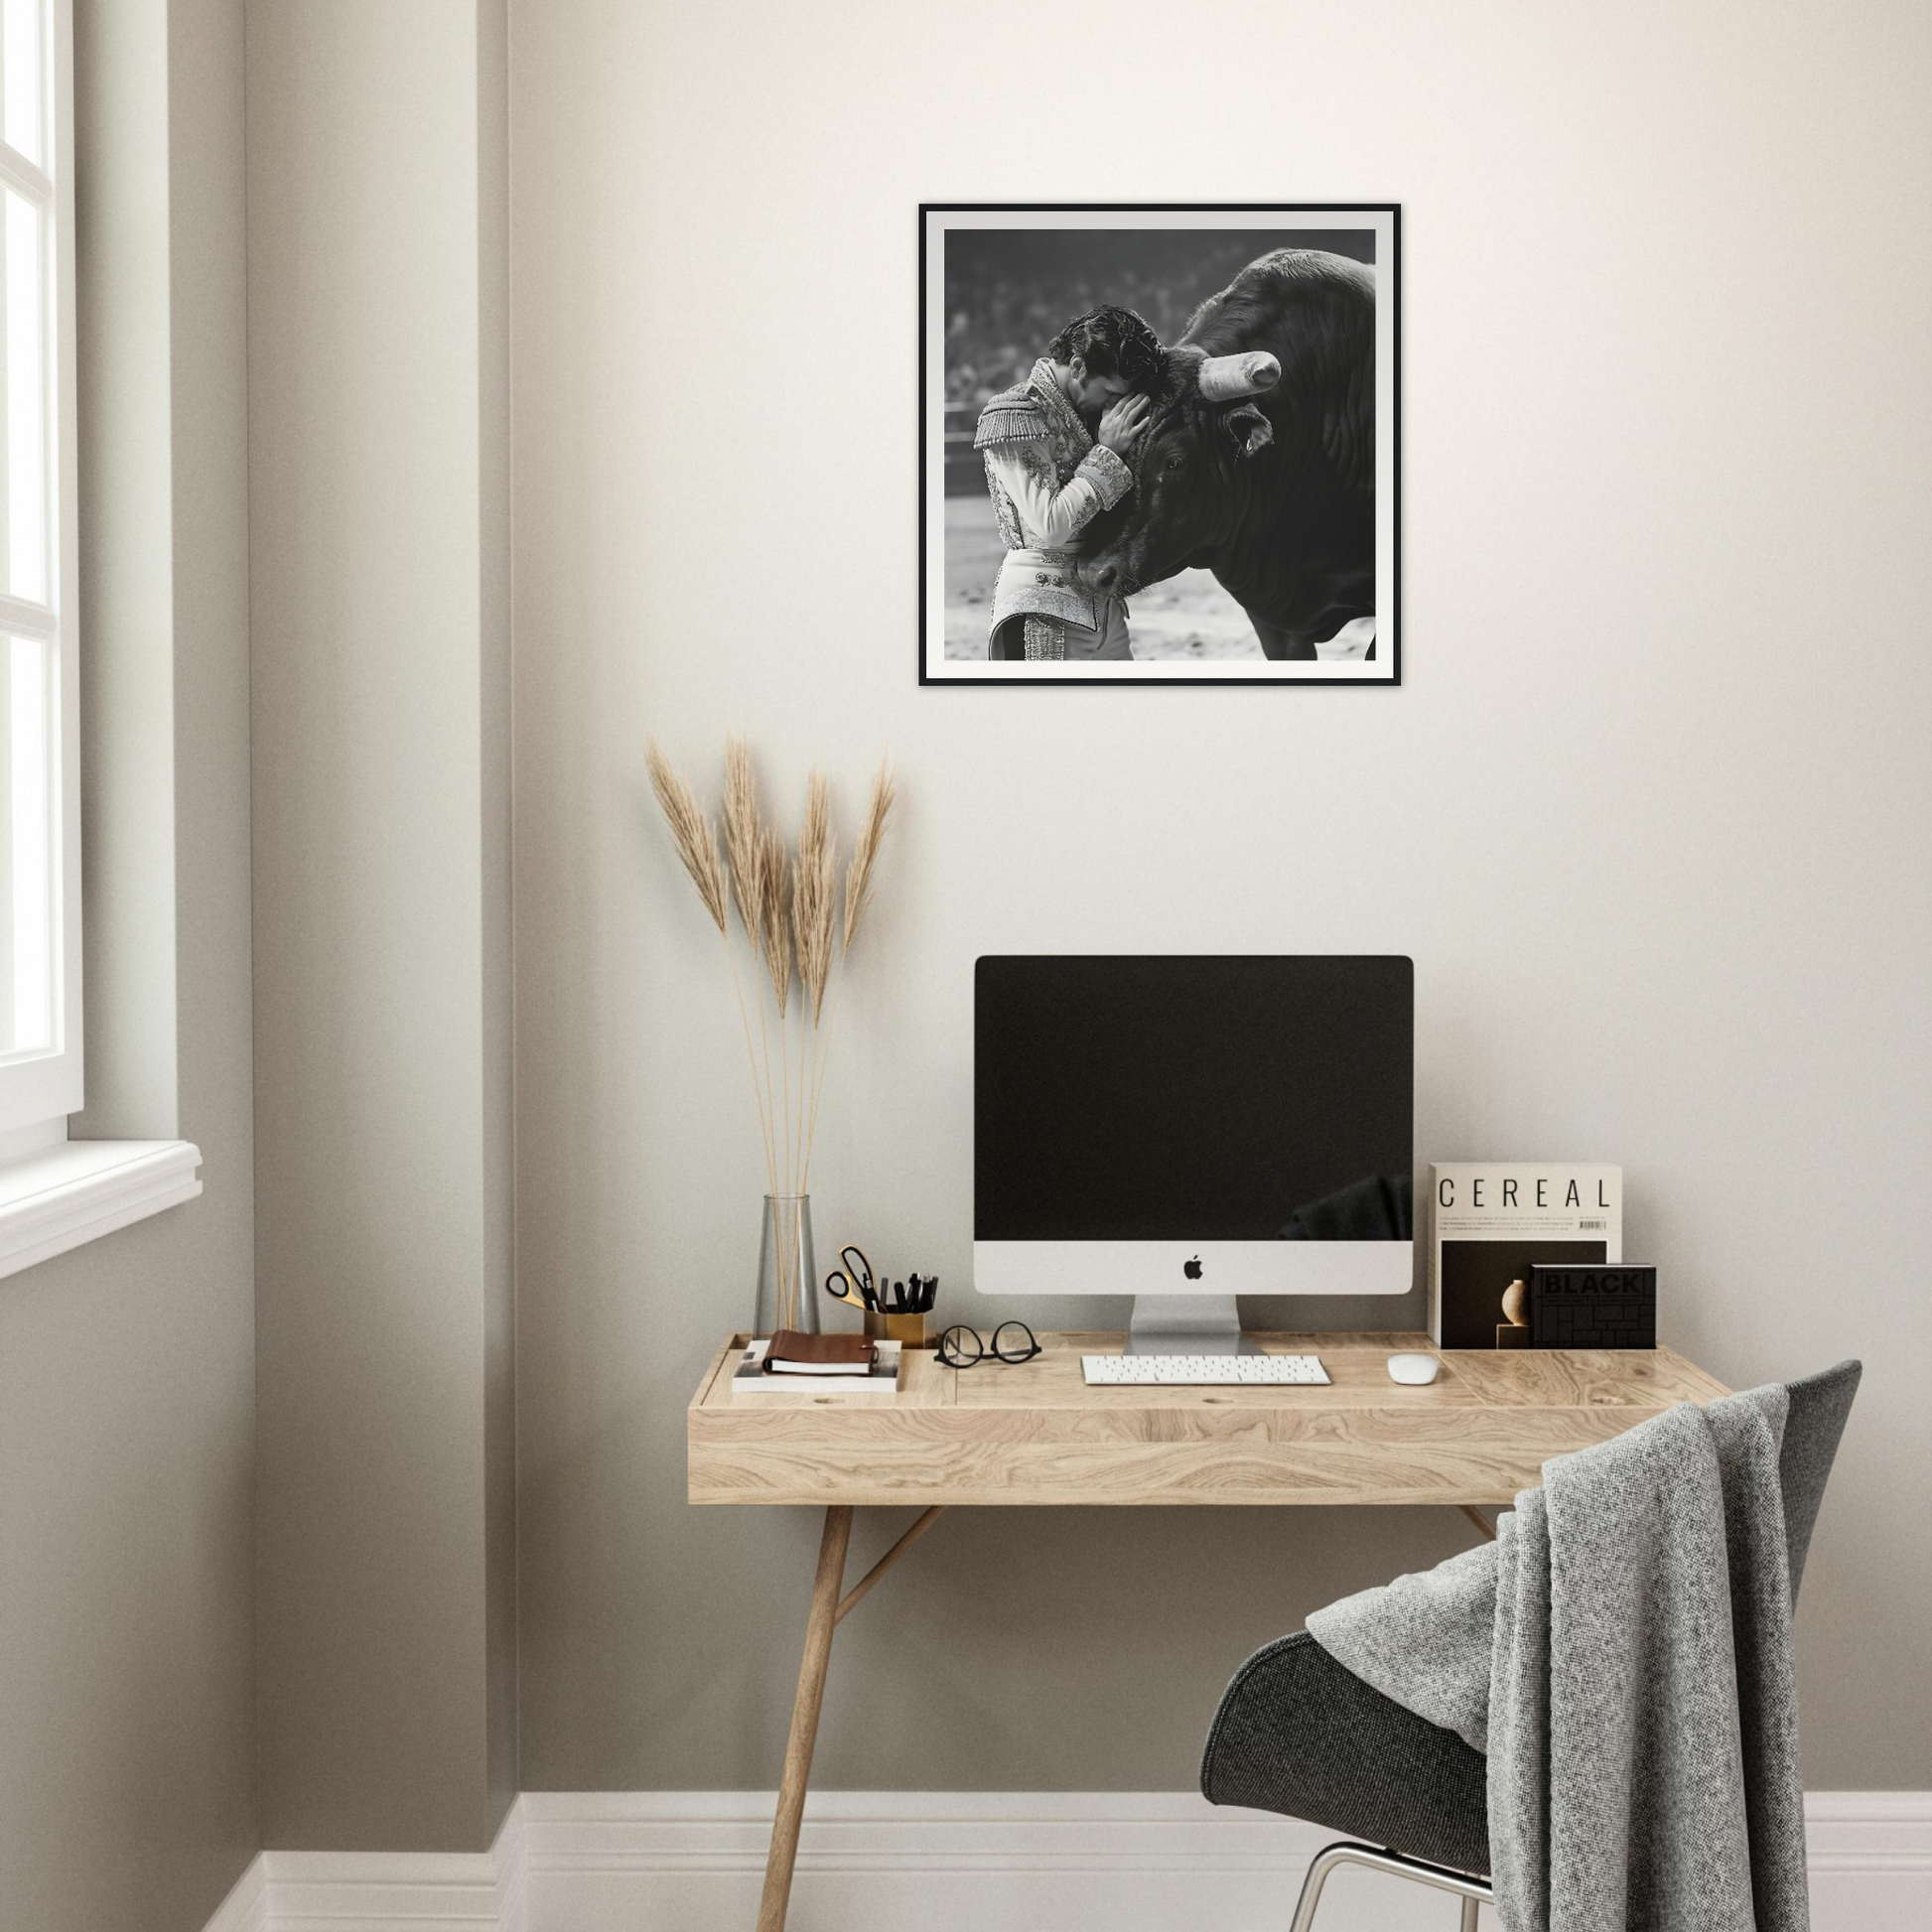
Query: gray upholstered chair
point(1298, 1734)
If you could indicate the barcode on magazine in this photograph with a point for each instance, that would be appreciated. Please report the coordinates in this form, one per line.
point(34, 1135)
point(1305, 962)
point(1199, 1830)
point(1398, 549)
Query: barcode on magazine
point(1599, 1225)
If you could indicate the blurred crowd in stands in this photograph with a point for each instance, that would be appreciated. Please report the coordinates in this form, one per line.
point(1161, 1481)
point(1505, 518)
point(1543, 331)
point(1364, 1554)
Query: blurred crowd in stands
point(1009, 292)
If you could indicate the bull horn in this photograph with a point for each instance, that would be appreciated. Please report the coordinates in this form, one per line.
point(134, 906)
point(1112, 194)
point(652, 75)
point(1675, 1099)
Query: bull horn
point(1223, 378)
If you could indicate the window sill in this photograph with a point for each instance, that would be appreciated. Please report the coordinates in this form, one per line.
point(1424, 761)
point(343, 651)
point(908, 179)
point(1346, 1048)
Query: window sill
point(79, 1190)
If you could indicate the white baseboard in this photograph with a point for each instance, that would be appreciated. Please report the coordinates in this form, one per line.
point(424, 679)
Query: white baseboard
point(384, 1891)
point(245, 1909)
point(954, 1861)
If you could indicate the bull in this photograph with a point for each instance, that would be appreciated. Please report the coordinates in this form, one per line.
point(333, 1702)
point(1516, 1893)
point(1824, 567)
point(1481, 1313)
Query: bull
point(1258, 459)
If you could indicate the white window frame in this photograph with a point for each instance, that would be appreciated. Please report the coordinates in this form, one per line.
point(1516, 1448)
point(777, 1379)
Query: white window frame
point(39, 1089)
point(56, 1193)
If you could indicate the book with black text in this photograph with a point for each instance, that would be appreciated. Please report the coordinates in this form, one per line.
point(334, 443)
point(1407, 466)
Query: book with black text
point(1489, 1222)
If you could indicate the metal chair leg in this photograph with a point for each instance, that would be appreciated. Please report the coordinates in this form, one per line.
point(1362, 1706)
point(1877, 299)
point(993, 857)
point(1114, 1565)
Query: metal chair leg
point(1472, 1891)
point(1324, 1863)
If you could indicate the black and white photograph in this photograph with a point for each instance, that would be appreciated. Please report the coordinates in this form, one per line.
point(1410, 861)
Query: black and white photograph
point(1159, 444)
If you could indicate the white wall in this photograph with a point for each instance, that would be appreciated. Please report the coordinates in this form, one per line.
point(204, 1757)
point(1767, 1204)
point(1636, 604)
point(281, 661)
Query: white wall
point(377, 443)
point(1650, 810)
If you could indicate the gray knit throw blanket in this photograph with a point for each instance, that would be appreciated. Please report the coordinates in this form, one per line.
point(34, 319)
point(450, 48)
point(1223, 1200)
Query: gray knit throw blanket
point(1623, 1652)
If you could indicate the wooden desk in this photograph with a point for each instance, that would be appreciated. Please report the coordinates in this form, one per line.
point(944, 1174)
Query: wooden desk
point(1033, 1433)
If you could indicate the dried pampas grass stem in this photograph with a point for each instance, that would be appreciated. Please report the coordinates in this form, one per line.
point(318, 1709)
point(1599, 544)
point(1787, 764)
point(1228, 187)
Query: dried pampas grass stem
point(774, 918)
point(691, 833)
point(743, 846)
point(815, 897)
point(865, 853)
point(788, 913)
point(858, 899)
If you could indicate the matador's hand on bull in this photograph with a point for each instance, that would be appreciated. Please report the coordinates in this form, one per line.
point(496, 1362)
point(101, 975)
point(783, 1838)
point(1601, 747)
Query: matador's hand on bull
point(1121, 427)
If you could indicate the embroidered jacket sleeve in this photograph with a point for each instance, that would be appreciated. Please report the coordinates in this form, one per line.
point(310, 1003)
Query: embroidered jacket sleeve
point(1055, 516)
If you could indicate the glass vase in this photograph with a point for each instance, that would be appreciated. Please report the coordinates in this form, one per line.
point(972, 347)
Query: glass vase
point(788, 1271)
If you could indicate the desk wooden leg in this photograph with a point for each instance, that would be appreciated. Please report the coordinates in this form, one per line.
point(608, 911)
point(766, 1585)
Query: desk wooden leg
point(856, 1594)
point(805, 1718)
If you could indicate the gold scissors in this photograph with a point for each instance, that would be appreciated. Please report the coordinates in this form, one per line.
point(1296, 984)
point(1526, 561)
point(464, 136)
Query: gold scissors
point(852, 1282)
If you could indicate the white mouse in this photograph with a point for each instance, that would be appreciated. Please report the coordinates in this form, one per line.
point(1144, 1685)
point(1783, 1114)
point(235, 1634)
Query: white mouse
point(1415, 1369)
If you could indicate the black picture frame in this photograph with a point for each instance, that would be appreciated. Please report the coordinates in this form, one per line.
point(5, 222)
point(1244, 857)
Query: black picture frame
point(1384, 220)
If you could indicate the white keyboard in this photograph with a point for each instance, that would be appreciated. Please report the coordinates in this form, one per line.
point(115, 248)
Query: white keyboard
point(1202, 1371)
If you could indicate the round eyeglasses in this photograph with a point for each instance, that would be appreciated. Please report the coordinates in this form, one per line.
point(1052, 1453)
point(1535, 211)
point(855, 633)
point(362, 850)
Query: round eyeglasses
point(962, 1348)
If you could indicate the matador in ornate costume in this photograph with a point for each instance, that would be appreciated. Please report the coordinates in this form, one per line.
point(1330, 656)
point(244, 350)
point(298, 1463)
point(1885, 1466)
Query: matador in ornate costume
point(1049, 478)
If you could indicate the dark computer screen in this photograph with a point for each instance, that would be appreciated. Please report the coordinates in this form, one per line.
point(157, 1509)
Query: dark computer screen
point(1205, 1098)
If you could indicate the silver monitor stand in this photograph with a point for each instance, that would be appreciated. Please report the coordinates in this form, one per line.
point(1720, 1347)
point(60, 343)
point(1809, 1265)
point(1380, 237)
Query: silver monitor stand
point(1186, 1324)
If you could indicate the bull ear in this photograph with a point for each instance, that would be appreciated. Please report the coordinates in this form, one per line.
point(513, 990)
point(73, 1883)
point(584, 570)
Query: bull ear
point(1251, 430)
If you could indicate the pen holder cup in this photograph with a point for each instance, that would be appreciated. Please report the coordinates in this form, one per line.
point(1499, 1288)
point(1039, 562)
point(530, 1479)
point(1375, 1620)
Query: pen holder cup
point(906, 1328)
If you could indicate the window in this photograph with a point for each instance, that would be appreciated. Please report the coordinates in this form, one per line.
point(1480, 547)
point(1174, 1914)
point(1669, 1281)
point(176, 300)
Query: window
point(39, 846)
point(55, 1193)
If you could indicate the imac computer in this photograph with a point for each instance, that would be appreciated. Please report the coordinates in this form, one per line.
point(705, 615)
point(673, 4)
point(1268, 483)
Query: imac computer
point(1187, 1129)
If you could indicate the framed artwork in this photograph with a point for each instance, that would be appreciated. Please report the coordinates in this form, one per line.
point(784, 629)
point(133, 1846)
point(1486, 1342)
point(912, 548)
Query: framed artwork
point(1159, 445)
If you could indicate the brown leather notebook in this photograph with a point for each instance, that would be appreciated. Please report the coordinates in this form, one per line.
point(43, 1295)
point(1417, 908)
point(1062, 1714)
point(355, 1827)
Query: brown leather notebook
point(793, 1354)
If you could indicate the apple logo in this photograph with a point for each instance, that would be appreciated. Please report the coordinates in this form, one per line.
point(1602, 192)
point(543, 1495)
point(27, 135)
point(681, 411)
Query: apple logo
point(1191, 1268)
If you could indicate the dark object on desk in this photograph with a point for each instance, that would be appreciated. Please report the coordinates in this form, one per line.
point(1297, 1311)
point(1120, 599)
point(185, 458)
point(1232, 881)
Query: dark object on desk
point(1611, 1305)
point(1298, 1734)
point(1013, 1341)
point(792, 1353)
point(915, 1295)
